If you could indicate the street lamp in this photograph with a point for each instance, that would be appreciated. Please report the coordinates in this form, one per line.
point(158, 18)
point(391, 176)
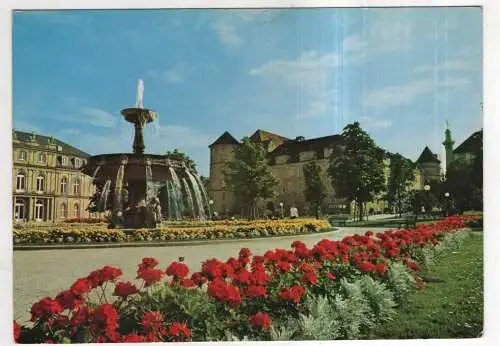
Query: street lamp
point(281, 206)
point(447, 203)
point(427, 188)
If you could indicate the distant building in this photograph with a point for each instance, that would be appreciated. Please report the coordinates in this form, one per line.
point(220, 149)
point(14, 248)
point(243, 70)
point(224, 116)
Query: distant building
point(469, 148)
point(47, 184)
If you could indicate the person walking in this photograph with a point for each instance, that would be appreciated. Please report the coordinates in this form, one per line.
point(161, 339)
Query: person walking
point(294, 212)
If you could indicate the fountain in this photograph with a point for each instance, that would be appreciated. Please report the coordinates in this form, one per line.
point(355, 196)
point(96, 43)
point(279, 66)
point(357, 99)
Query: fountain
point(135, 187)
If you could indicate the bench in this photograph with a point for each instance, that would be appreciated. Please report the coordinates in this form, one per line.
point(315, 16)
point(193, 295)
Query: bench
point(339, 220)
point(409, 221)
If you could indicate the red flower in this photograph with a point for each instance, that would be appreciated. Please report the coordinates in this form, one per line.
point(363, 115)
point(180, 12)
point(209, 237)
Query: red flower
point(331, 276)
point(245, 252)
point(179, 330)
point(380, 268)
point(68, 300)
point(177, 270)
point(100, 276)
point(17, 331)
point(133, 337)
point(148, 262)
point(284, 266)
point(309, 277)
point(81, 316)
point(224, 292)
point(254, 291)
point(124, 289)
point(261, 319)
point(293, 293)
point(188, 283)
point(259, 278)
point(152, 321)
point(150, 275)
point(369, 233)
point(105, 317)
point(198, 278)
point(367, 266)
point(413, 266)
point(243, 276)
point(81, 286)
point(45, 307)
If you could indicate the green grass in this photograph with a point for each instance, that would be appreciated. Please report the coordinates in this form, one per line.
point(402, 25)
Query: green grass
point(449, 309)
point(385, 223)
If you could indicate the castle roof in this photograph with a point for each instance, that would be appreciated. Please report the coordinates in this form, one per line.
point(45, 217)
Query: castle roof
point(295, 146)
point(262, 136)
point(225, 138)
point(427, 156)
point(473, 144)
point(45, 140)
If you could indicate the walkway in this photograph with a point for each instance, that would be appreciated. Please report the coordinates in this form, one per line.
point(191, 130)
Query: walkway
point(42, 273)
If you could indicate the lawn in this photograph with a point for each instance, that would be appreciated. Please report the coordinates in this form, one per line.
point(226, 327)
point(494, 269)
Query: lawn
point(450, 307)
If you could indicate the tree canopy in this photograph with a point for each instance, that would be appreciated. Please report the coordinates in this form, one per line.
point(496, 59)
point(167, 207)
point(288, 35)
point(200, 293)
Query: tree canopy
point(314, 188)
point(401, 177)
point(181, 156)
point(356, 168)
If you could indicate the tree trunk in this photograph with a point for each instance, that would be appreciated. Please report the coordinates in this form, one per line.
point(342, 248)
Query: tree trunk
point(360, 206)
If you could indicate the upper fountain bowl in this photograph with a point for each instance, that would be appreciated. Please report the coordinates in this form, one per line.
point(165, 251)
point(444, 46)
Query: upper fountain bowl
point(135, 115)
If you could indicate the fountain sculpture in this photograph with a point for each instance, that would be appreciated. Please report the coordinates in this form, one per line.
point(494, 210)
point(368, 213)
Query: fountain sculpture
point(140, 189)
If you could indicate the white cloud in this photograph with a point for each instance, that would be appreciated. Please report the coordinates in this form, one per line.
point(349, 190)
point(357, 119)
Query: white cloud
point(375, 123)
point(96, 117)
point(226, 31)
point(397, 95)
point(176, 74)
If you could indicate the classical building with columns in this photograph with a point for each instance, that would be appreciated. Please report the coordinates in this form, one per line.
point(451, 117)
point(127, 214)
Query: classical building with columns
point(47, 182)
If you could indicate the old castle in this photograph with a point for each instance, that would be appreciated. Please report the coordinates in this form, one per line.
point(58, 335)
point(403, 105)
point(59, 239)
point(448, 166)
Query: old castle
point(287, 158)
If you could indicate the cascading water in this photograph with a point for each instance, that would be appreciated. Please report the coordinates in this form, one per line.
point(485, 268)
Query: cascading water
point(204, 194)
point(150, 193)
point(189, 197)
point(95, 173)
point(104, 195)
point(177, 193)
point(117, 203)
point(197, 194)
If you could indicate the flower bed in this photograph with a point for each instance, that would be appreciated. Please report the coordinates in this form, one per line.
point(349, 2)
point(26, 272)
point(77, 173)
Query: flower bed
point(95, 234)
point(334, 290)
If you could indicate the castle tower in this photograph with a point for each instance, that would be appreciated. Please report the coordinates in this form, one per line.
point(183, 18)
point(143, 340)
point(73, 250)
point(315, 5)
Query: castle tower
point(221, 153)
point(448, 146)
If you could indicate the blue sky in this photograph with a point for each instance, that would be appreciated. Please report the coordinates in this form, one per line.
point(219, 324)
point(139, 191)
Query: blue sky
point(399, 72)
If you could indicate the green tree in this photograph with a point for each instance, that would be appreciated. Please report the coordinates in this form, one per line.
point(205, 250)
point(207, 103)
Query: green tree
point(249, 176)
point(401, 177)
point(356, 168)
point(461, 182)
point(177, 155)
point(315, 189)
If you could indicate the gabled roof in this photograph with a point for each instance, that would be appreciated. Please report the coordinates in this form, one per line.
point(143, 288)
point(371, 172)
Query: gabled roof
point(45, 140)
point(262, 136)
point(427, 156)
point(225, 138)
point(473, 144)
point(295, 146)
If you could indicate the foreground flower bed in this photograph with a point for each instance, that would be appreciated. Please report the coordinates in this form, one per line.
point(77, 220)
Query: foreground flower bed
point(94, 234)
point(334, 290)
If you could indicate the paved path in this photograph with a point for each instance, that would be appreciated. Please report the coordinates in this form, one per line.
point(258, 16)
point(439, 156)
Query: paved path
point(43, 273)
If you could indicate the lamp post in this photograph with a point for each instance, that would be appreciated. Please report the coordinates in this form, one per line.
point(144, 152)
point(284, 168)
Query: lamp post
point(447, 203)
point(211, 209)
point(281, 207)
point(427, 188)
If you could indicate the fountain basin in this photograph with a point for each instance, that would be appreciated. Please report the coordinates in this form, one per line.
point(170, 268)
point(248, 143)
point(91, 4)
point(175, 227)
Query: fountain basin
point(134, 115)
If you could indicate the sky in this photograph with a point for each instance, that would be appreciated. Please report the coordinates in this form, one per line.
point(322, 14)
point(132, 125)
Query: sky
point(400, 72)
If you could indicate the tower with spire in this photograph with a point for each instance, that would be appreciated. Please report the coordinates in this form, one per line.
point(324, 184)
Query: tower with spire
point(448, 145)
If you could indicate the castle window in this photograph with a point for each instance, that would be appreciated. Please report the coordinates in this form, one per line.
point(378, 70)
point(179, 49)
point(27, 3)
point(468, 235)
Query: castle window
point(20, 181)
point(64, 183)
point(39, 183)
point(63, 210)
point(22, 155)
point(64, 160)
point(76, 210)
point(42, 158)
point(76, 187)
point(39, 210)
point(77, 162)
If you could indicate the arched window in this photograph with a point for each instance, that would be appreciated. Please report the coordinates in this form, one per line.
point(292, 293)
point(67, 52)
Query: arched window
point(78, 163)
point(63, 211)
point(76, 187)
point(39, 210)
point(19, 210)
point(64, 183)
point(22, 155)
point(76, 210)
point(40, 180)
point(20, 181)
point(42, 158)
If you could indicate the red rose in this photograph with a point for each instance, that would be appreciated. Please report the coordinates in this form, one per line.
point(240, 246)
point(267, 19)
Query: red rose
point(331, 276)
point(81, 316)
point(44, 307)
point(188, 283)
point(224, 292)
point(133, 338)
point(179, 330)
point(293, 293)
point(148, 262)
point(81, 286)
point(243, 276)
point(124, 289)
point(152, 320)
point(150, 275)
point(261, 319)
point(245, 252)
point(177, 270)
point(254, 291)
point(310, 277)
point(17, 331)
point(380, 268)
point(100, 276)
point(198, 278)
point(367, 267)
point(105, 317)
point(68, 300)
point(284, 266)
point(259, 278)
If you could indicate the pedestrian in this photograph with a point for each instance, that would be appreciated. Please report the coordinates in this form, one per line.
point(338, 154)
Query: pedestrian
point(294, 212)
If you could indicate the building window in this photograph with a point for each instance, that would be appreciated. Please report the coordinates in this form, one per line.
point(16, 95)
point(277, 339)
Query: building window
point(76, 210)
point(64, 160)
point(64, 183)
point(22, 155)
point(76, 187)
point(19, 210)
point(78, 163)
point(39, 210)
point(63, 210)
point(20, 181)
point(42, 158)
point(223, 195)
point(39, 183)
